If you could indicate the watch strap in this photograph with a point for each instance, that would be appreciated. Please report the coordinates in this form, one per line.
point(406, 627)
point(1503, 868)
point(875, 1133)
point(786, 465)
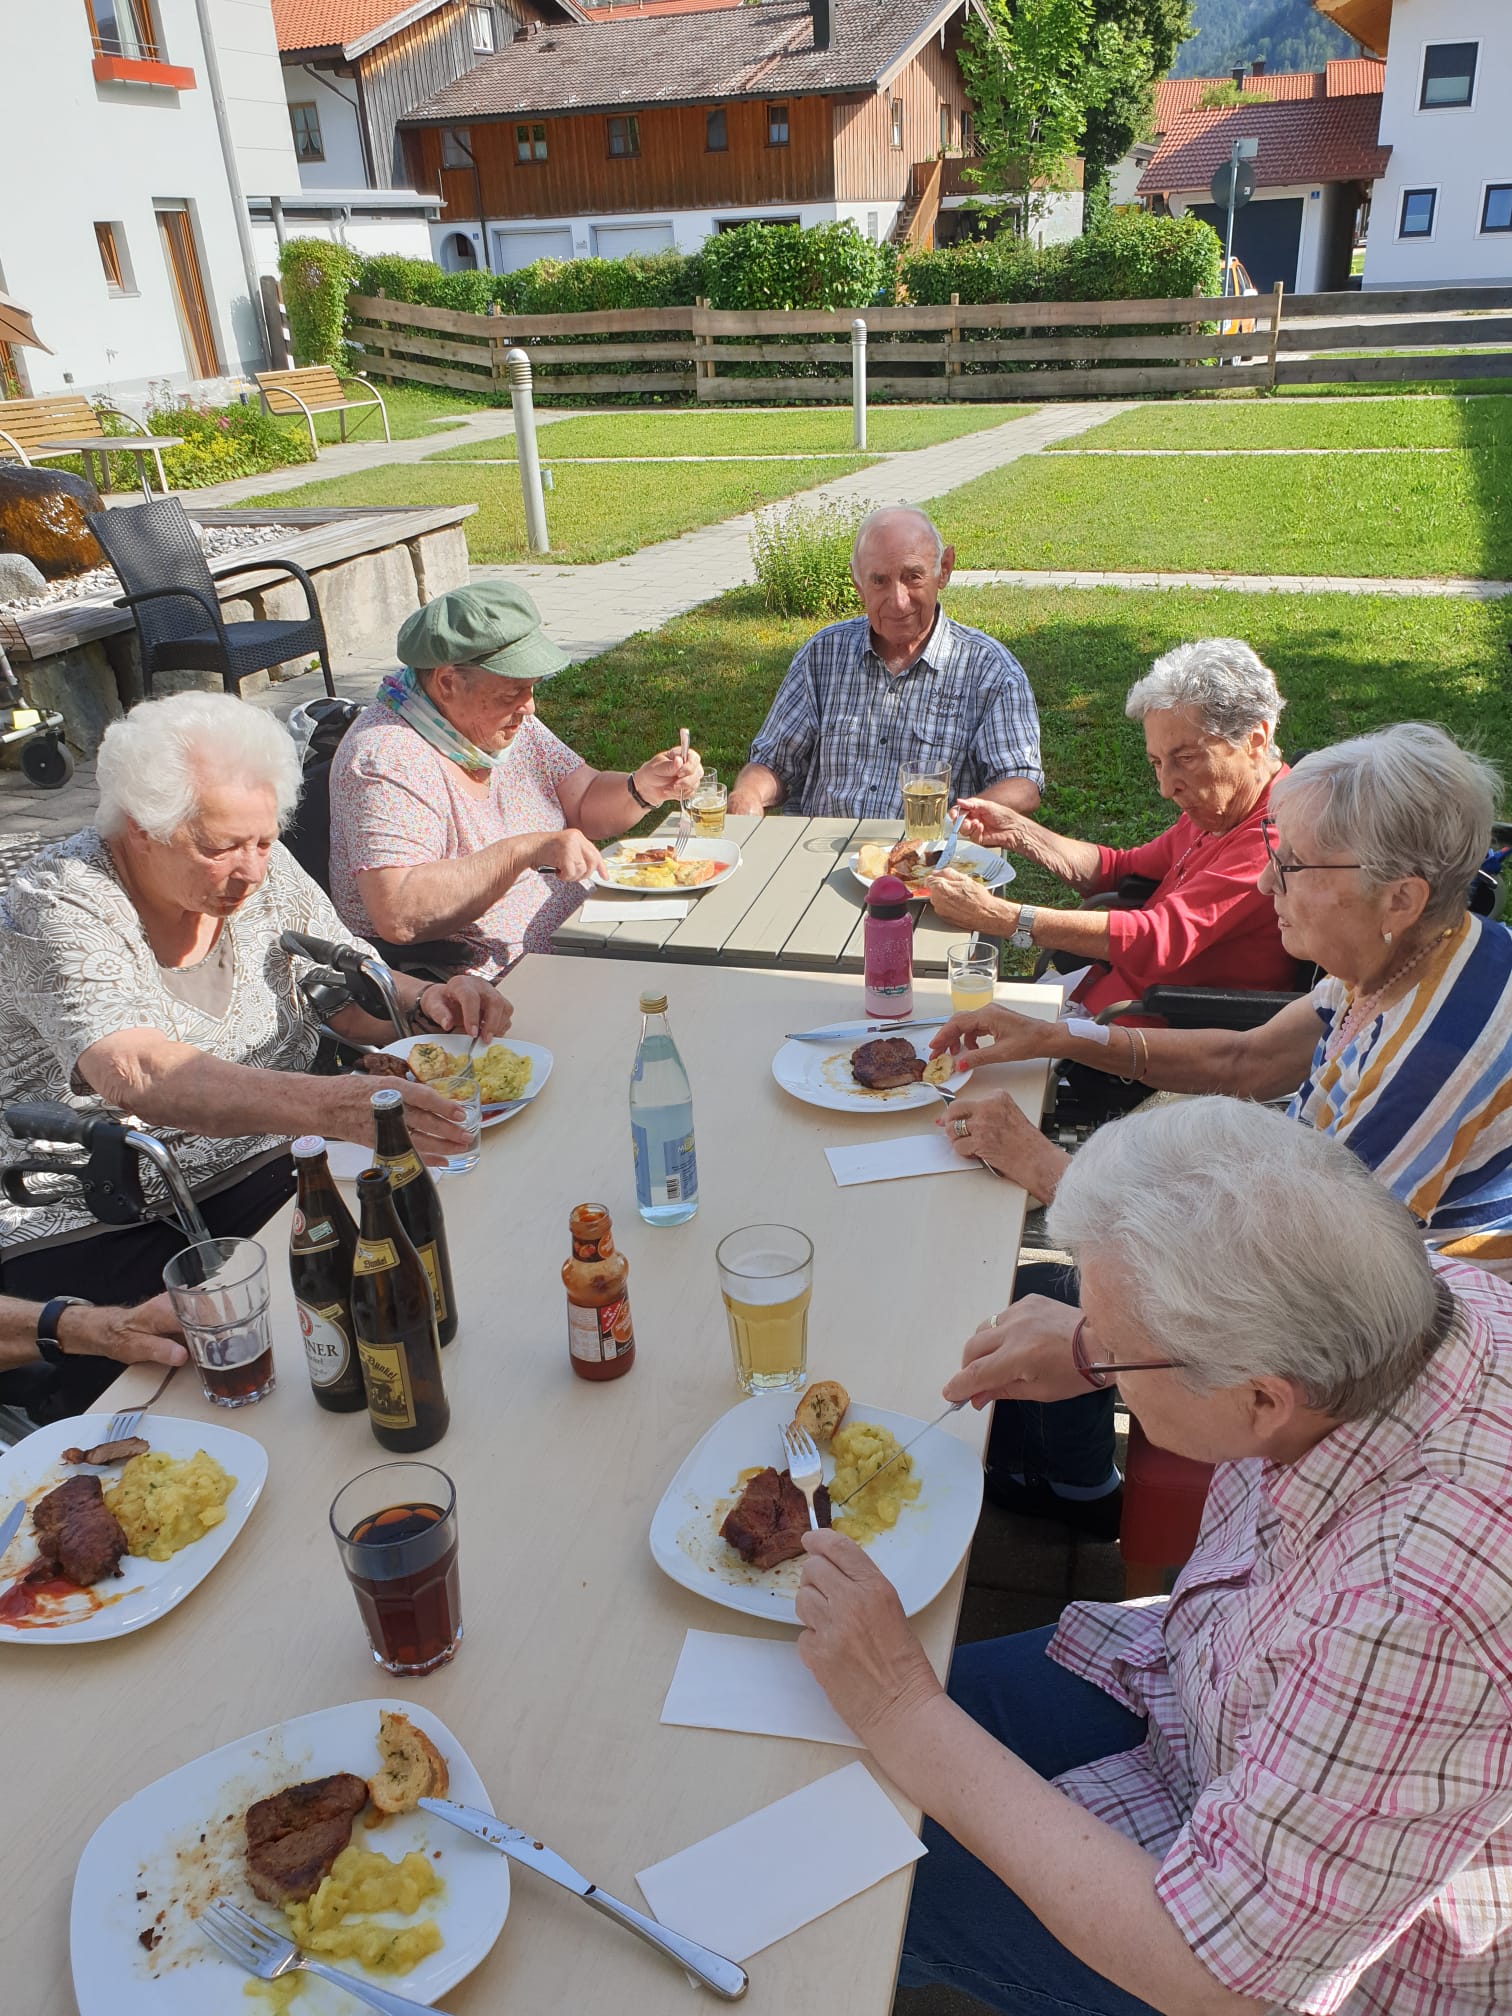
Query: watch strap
point(631, 786)
point(47, 1326)
point(1023, 934)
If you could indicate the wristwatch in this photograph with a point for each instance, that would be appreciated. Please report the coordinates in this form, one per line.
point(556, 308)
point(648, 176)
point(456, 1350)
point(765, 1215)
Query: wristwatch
point(47, 1326)
point(1023, 935)
point(635, 793)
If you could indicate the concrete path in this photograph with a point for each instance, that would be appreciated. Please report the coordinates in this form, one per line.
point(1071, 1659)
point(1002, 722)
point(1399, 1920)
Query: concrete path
point(1191, 454)
point(1245, 584)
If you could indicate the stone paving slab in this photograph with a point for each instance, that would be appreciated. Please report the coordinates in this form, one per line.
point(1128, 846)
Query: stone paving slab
point(1450, 587)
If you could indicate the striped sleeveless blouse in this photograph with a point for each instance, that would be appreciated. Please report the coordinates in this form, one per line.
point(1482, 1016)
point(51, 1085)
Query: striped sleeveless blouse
point(1423, 1093)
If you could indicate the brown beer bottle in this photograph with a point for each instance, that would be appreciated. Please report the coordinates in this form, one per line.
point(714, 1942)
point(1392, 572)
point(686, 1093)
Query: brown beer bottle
point(321, 1247)
point(417, 1203)
point(394, 1316)
point(600, 1336)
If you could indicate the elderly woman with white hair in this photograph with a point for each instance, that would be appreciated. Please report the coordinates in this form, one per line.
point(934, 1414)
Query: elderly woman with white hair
point(141, 973)
point(1289, 1784)
point(1209, 713)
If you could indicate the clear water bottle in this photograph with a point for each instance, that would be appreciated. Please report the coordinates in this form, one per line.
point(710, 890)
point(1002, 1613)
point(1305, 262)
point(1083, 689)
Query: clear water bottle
point(661, 1123)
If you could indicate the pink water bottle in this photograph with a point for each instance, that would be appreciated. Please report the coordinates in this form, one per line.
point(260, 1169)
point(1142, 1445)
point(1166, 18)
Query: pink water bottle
point(888, 940)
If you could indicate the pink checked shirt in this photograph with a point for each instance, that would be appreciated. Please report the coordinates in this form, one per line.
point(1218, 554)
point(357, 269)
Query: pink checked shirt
point(1327, 1775)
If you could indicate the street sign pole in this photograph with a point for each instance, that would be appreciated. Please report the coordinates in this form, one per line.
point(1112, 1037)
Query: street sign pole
point(1228, 236)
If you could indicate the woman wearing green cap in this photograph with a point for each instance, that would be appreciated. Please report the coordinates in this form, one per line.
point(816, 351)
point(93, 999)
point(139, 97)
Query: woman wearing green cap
point(449, 797)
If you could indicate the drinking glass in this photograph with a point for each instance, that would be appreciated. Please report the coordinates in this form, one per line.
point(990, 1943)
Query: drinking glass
point(926, 793)
point(708, 805)
point(973, 976)
point(766, 1274)
point(396, 1532)
point(467, 1092)
point(220, 1294)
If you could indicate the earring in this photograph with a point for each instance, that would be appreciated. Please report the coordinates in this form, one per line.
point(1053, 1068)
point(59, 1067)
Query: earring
point(1387, 936)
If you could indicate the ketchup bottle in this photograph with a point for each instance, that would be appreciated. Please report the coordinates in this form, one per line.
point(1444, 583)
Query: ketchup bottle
point(888, 941)
point(600, 1336)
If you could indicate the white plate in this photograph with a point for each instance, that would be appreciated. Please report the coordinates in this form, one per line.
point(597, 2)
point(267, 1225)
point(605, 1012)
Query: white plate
point(967, 852)
point(174, 1840)
point(347, 1160)
point(724, 851)
point(820, 1075)
point(918, 1556)
point(146, 1590)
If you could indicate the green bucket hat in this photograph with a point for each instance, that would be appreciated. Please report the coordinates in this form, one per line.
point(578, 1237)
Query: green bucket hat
point(492, 624)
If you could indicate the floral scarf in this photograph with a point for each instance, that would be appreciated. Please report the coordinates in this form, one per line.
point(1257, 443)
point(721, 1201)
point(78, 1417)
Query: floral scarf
point(402, 693)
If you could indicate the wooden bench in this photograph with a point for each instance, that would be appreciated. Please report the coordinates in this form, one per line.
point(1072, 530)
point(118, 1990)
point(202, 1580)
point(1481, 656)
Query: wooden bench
point(318, 389)
point(43, 430)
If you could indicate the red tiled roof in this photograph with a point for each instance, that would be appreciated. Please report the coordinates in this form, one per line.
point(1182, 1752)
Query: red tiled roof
point(1350, 76)
point(1317, 140)
point(630, 10)
point(1176, 96)
point(323, 24)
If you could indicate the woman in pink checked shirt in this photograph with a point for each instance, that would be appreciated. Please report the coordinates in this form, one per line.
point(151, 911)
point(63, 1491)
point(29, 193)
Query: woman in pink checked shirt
point(1289, 1784)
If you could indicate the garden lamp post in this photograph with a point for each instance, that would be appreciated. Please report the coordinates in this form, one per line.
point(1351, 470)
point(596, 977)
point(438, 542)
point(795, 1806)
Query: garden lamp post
point(858, 383)
point(518, 366)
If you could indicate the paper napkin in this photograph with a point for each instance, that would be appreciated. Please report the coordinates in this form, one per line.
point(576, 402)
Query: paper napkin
point(644, 910)
point(754, 1883)
point(906, 1155)
point(757, 1685)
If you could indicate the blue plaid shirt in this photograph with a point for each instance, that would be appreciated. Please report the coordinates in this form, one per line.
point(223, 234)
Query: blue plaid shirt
point(842, 723)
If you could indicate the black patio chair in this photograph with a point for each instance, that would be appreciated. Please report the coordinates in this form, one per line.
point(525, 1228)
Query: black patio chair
point(171, 593)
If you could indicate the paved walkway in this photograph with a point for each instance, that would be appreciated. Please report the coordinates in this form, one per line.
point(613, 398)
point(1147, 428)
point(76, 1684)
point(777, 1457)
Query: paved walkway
point(1245, 584)
point(1187, 454)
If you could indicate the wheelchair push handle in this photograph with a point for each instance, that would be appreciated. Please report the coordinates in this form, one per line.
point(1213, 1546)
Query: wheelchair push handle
point(48, 1120)
point(369, 981)
point(324, 951)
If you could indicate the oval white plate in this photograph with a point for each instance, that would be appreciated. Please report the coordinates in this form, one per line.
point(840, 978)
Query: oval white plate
point(820, 1075)
point(726, 852)
point(347, 1159)
point(918, 1556)
point(137, 1848)
point(146, 1590)
point(967, 851)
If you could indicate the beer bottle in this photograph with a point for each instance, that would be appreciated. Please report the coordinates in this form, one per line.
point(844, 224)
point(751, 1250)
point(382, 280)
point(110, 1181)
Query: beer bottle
point(394, 1317)
point(600, 1336)
point(320, 1264)
point(416, 1202)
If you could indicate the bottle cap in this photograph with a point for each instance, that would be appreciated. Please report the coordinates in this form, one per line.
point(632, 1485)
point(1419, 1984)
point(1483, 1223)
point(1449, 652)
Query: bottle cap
point(887, 892)
point(308, 1144)
point(389, 1096)
point(653, 1004)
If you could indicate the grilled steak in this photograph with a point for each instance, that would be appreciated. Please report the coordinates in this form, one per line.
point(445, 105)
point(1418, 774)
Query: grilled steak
point(766, 1524)
point(108, 1452)
point(378, 1064)
point(885, 1062)
point(77, 1537)
point(294, 1836)
point(906, 859)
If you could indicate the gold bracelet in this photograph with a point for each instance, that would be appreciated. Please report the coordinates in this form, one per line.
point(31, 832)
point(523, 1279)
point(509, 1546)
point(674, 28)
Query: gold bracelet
point(1133, 1059)
point(1144, 1046)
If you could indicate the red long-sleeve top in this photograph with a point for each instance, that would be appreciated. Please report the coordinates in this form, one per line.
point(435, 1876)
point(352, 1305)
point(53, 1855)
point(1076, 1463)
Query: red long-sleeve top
point(1207, 924)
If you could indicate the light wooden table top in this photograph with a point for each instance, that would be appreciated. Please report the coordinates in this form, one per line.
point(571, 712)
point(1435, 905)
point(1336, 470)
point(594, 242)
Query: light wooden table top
point(572, 1632)
point(794, 902)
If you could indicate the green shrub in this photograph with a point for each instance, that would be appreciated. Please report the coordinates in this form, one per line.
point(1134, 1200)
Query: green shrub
point(217, 443)
point(317, 278)
point(802, 556)
point(1123, 257)
point(782, 266)
point(549, 287)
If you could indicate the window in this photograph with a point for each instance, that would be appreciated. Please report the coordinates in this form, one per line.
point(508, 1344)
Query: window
point(1417, 213)
point(530, 143)
point(715, 139)
point(944, 129)
point(897, 125)
point(122, 28)
point(777, 126)
point(455, 152)
point(1448, 74)
point(965, 132)
point(111, 240)
point(624, 137)
point(308, 145)
point(1496, 207)
point(482, 30)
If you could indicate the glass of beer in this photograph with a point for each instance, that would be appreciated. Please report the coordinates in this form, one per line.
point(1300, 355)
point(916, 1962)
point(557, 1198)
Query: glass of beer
point(973, 976)
point(708, 805)
point(396, 1532)
point(766, 1274)
point(220, 1295)
point(926, 793)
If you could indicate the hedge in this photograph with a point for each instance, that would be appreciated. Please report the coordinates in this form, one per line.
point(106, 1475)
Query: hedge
point(1124, 257)
point(317, 278)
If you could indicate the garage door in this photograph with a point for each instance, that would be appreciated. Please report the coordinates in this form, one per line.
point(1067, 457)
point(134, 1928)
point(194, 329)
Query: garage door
point(514, 249)
point(614, 241)
point(1266, 237)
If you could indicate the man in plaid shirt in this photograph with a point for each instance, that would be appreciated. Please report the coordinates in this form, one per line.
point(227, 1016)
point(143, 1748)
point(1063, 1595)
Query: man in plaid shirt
point(901, 684)
point(1288, 1785)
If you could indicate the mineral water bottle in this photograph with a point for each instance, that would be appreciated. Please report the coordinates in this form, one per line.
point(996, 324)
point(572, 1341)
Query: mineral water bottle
point(661, 1123)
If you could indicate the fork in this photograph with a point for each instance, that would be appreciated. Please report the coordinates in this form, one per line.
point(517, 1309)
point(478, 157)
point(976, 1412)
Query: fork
point(124, 1426)
point(684, 817)
point(268, 1955)
point(804, 1466)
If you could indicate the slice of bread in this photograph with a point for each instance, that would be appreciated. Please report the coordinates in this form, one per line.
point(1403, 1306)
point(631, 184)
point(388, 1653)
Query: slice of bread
point(412, 1768)
point(940, 1069)
point(822, 1408)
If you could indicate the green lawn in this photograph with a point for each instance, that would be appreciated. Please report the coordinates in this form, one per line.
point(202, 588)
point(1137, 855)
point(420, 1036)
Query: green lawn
point(1397, 515)
point(826, 430)
point(413, 410)
point(1265, 423)
point(594, 513)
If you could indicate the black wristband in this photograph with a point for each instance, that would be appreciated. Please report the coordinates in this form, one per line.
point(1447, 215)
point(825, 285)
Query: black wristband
point(47, 1326)
point(644, 803)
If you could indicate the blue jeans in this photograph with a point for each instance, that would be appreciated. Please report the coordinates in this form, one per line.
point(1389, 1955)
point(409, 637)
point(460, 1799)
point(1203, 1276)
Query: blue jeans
point(967, 1930)
point(1066, 1441)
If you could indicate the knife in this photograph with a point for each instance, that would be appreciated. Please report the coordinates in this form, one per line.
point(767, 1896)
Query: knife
point(954, 1408)
point(844, 1029)
point(10, 1526)
point(727, 1980)
point(953, 840)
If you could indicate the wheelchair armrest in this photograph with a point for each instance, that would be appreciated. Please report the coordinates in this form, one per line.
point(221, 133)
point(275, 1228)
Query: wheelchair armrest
point(1211, 1007)
point(1134, 891)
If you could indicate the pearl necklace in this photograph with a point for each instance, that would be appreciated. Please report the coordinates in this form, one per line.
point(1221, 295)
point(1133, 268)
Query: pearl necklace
point(1362, 1007)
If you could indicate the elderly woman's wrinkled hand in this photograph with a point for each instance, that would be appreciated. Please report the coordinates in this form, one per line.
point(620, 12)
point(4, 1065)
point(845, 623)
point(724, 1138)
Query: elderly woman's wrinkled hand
point(962, 899)
point(467, 1003)
point(570, 855)
point(434, 1121)
point(988, 823)
point(995, 1131)
point(855, 1639)
point(670, 774)
point(993, 1036)
point(150, 1334)
point(1023, 1354)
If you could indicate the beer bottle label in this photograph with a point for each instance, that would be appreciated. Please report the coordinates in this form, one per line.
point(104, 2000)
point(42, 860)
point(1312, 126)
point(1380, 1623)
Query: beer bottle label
point(385, 1374)
point(328, 1350)
point(375, 1256)
point(310, 1234)
point(430, 1261)
point(600, 1335)
point(402, 1169)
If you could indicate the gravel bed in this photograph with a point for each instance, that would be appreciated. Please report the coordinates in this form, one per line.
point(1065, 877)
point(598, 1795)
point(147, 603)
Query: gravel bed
point(101, 582)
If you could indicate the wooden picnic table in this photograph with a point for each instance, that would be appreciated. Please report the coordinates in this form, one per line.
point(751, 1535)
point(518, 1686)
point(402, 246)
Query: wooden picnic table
point(572, 1632)
point(793, 902)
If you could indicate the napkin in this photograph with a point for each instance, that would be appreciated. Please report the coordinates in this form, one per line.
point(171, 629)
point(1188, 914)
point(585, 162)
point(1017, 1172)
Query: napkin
point(754, 1883)
point(643, 910)
point(906, 1155)
point(757, 1685)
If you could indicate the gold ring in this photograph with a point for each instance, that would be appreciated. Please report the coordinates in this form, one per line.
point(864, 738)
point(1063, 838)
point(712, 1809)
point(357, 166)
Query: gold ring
point(958, 1128)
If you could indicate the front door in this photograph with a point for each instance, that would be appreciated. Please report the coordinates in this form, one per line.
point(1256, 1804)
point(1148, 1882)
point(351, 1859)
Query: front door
point(181, 255)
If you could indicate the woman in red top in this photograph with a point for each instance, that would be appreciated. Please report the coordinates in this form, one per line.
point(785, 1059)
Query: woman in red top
point(1209, 712)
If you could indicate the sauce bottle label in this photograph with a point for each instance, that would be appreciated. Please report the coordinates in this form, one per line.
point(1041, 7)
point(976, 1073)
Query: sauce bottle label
point(386, 1378)
point(375, 1256)
point(401, 1170)
point(600, 1335)
point(328, 1350)
point(431, 1262)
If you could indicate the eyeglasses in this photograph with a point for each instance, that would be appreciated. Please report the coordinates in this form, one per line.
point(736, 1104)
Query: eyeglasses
point(1104, 1375)
point(1268, 827)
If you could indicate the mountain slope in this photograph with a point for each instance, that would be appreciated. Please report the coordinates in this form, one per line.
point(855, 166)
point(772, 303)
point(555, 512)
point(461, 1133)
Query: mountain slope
point(1287, 33)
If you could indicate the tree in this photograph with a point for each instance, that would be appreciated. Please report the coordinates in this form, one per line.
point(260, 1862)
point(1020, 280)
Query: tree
point(1025, 70)
point(1133, 42)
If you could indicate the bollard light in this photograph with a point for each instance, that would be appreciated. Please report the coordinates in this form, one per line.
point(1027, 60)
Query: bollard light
point(858, 383)
point(517, 367)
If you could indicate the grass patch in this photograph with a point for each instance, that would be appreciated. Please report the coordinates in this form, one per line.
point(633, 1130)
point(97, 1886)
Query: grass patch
point(413, 410)
point(1409, 515)
point(1263, 423)
point(824, 431)
point(592, 514)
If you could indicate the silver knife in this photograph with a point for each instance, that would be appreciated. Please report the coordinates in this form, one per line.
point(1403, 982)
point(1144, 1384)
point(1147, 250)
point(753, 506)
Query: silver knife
point(10, 1525)
point(726, 1979)
point(845, 1029)
point(954, 1408)
point(953, 840)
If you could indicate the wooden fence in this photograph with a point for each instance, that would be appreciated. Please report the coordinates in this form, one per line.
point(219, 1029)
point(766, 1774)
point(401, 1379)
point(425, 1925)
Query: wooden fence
point(1051, 348)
